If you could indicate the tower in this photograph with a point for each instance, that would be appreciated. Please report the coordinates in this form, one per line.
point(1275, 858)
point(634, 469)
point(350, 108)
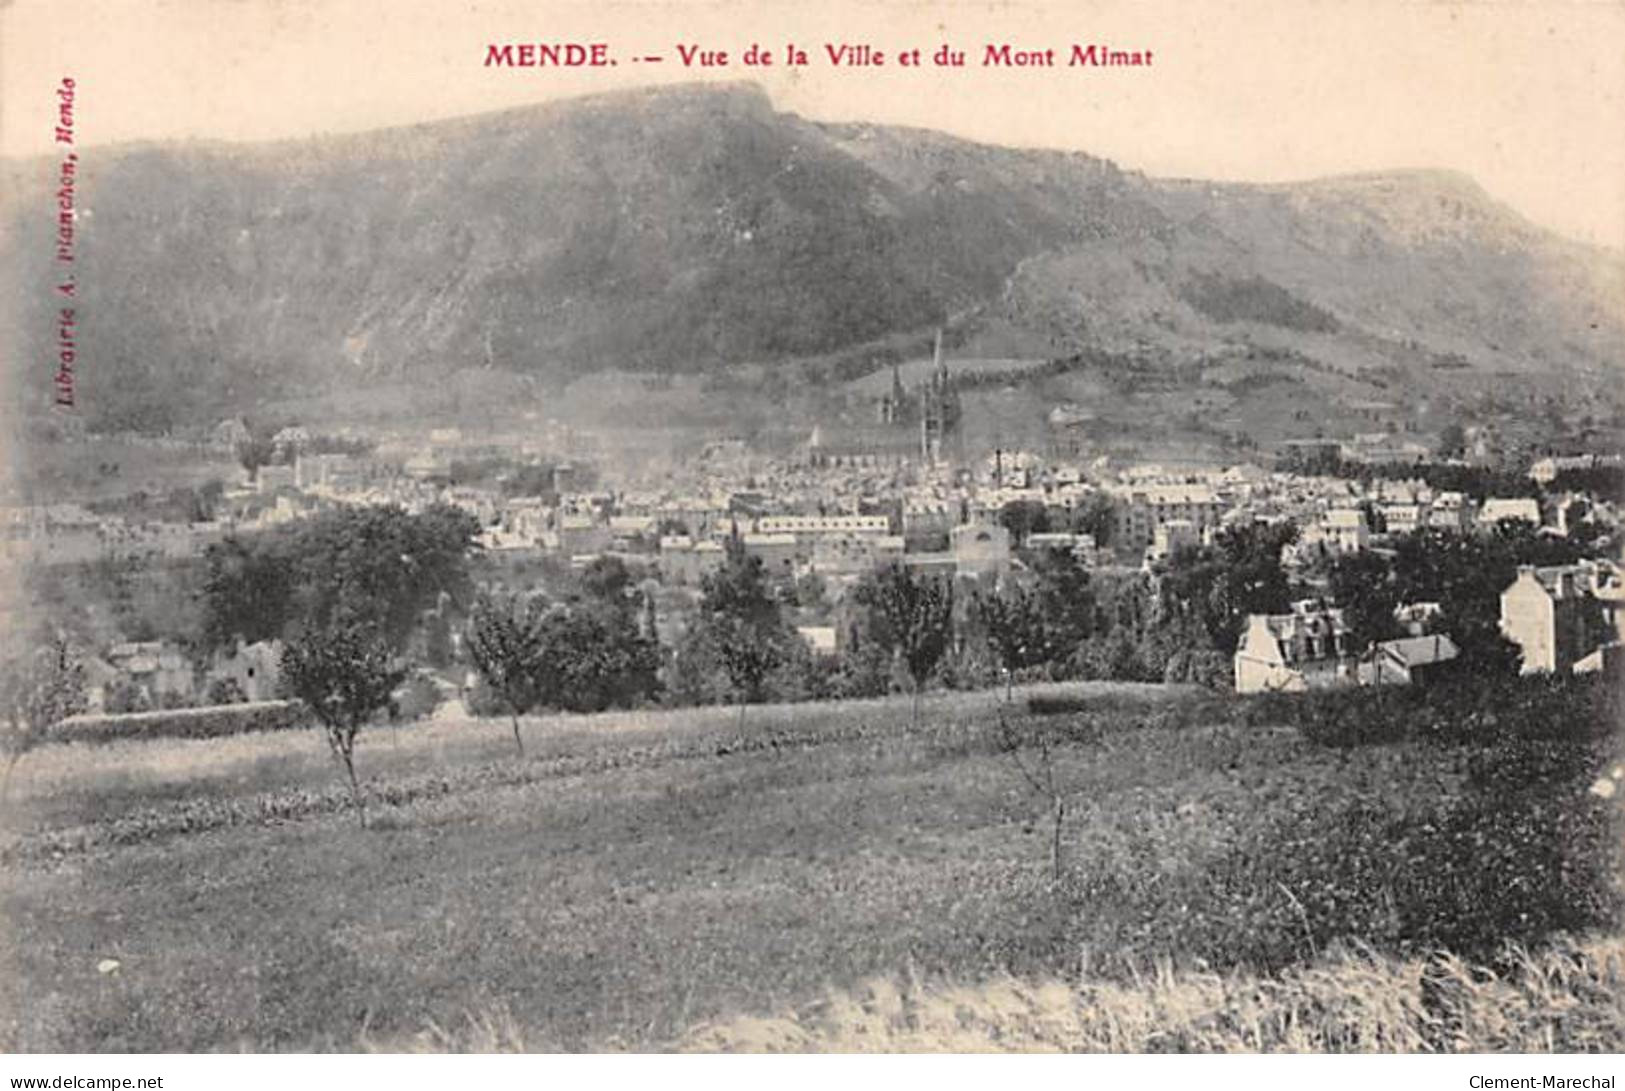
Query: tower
point(939, 408)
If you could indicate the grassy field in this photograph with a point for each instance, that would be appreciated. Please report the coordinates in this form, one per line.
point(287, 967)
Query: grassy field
point(1570, 999)
point(639, 880)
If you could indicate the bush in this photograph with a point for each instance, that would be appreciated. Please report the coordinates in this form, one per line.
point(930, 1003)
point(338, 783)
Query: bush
point(1202, 667)
point(1524, 846)
point(482, 701)
point(226, 691)
point(1465, 709)
point(417, 699)
point(1467, 876)
point(184, 723)
point(124, 696)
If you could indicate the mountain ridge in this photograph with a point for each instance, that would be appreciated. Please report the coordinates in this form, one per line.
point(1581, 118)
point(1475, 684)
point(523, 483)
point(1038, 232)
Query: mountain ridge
point(695, 228)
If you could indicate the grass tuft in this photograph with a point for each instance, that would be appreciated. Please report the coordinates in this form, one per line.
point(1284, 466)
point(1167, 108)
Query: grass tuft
point(1570, 998)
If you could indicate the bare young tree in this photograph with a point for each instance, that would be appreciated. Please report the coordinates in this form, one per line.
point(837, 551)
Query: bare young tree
point(1039, 773)
point(343, 674)
point(507, 642)
point(38, 691)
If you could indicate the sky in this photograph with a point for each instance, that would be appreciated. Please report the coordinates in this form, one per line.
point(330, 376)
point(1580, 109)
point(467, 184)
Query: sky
point(1527, 97)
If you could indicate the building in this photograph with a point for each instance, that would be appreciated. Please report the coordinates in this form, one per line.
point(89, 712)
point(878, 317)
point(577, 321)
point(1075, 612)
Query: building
point(275, 477)
point(1555, 615)
point(1449, 511)
point(777, 552)
point(1546, 470)
point(1293, 652)
point(581, 534)
point(1340, 531)
point(684, 561)
point(820, 639)
point(1140, 510)
point(854, 554)
point(981, 551)
point(255, 668)
point(1171, 537)
point(936, 410)
point(1308, 455)
point(1078, 544)
point(1402, 518)
point(156, 670)
point(330, 473)
point(1406, 661)
point(927, 518)
point(811, 526)
point(1496, 509)
point(1416, 617)
point(1382, 447)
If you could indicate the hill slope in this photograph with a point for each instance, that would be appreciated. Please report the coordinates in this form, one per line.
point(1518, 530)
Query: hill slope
point(686, 228)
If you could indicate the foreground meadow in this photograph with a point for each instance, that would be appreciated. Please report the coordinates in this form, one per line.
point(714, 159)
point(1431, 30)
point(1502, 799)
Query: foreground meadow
point(651, 880)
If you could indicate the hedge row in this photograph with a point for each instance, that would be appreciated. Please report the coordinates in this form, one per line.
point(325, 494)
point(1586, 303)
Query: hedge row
point(208, 722)
point(1462, 709)
point(201, 813)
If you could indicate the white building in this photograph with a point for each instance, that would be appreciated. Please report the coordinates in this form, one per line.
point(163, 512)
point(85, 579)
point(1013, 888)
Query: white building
point(1557, 616)
point(1293, 652)
point(1496, 509)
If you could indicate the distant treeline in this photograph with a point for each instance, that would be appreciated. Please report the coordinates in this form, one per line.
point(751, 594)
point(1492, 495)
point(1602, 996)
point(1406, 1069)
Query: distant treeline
point(1477, 482)
point(181, 504)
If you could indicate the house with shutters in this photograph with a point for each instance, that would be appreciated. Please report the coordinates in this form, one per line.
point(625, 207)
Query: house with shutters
point(1304, 649)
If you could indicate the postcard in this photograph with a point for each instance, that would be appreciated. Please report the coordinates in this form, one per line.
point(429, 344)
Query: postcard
point(876, 527)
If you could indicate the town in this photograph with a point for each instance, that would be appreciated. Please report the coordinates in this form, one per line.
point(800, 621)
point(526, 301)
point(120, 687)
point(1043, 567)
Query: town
point(1124, 558)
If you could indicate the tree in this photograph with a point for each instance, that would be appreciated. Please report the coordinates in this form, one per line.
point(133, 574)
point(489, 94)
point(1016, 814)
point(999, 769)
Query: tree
point(1096, 516)
point(248, 591)
point(608, 580)
point(1452, 441)
point(378, 565)
point(344, 674)
point(811, 591)
point(1362, 585)
point(437, 643)
point(226, 691)
point(123, 696)
point(1219, 585)
point(1466, 572)
point(508, 647)
point(1014, 626)
point(1040, 777)
point(381, 566)
point(39, 691)
point(911, 616)
point(254, 452)
point(866, 666)
point(1066, 603)
point(596, 657)
point(741, 626)
point(1023, 517)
